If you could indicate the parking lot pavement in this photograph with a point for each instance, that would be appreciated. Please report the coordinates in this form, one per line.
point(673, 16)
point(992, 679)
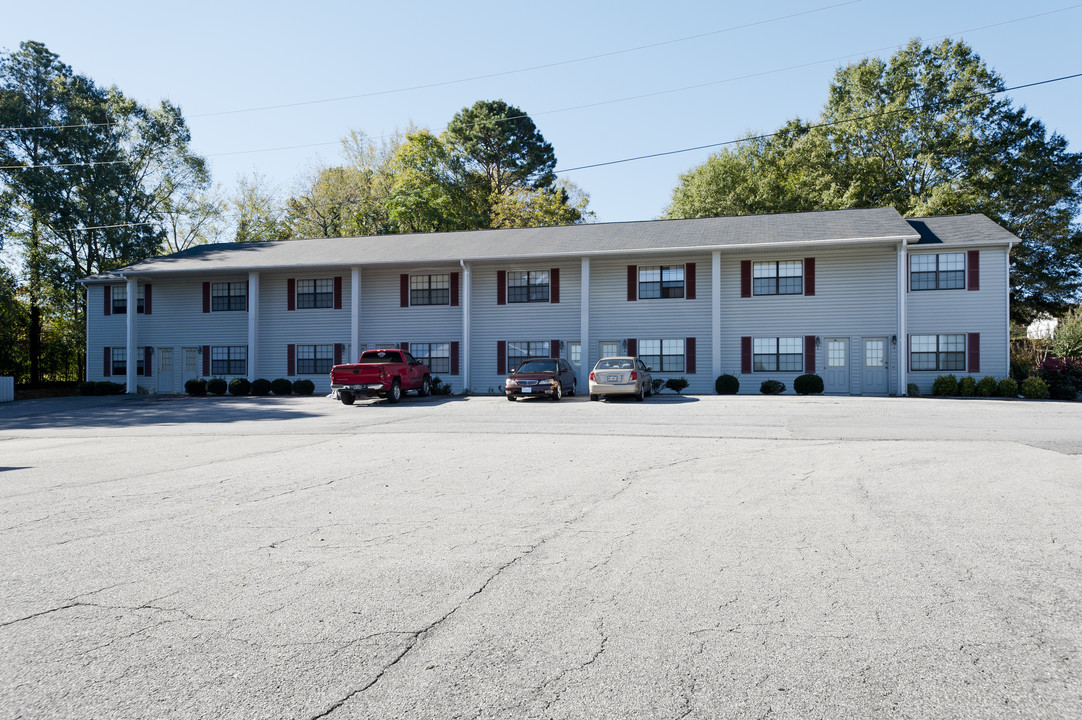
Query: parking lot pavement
point(695, 557)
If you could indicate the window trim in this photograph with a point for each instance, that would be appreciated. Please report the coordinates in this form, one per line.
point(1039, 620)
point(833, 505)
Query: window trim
point(777, 355)
point(939, 273)
point(777, 277)
point(661, 282)
point(939, 352)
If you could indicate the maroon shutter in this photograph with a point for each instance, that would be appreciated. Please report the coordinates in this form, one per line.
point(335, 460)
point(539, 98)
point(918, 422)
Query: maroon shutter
point(291, 293)
point(454, 289)
point(908, 356)
point(147, 295)
point(974, 270)
point(974, 346)
point(337, 292)
point(745, 281)
point(554, 348)
point(206, 297)
point(291, 359)
point(501, 288)
point(108, 299)
point(633, 347)
point(454, 358)
point(501, 356)
point(404, 346)
point(809, 352)
point(809, 277)
point(554, 285)
point(745, 354)
point(206, 360)
point(403, 290)
point(338, 349)
point(689, 356)
point(148, 362)
point(689, 281)
point(247, 295)
point(108, 362)
point(632, 283)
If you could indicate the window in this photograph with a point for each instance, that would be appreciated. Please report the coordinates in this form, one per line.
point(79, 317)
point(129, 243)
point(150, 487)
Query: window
point(782, 277)
point(532, 286)
point(519, 352)
point(229, 296)
point(229, 359)
point(430, 289)
point(661, 281)
point(574, 352)
point(314, 293)
point(314, 359)
point(437, 356)
point(119, 361)
point(778, 354)
point(945, 271)
point(120, 299)
point(937, 352)
point(836, 353)
point(608, 348)
point(663, 355)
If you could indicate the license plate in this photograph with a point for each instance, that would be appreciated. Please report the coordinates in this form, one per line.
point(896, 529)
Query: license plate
point(612, 378)
point(527, 390)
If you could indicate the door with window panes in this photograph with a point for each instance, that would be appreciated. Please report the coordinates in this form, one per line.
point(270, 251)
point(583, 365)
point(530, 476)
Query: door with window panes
point(166, 376)
point(836, 369)
point(875, 366)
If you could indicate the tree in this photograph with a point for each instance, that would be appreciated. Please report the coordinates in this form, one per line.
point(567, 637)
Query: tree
point(929, 133)
point(426, 195)
point(13, 323)
point(1067, 337)
point(563, 204)
point(257, 211)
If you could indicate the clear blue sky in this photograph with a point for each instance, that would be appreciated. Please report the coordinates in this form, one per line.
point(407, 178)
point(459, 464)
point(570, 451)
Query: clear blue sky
point(224, 56)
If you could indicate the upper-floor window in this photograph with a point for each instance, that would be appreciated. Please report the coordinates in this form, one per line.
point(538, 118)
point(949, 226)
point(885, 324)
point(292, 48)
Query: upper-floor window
point(778, 277)
point(437, 356)
point(314, 359)
point(229, 296)
point(663, 355)
point(527, 286)
point(941, 271)
point(430, 289)
point(229, 359)
point(780, 354)
point(119, 295)
point(937, 352)
point(315, 293)
point(661, 281)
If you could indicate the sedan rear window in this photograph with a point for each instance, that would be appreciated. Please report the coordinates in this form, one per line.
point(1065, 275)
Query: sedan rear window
point(614, 365)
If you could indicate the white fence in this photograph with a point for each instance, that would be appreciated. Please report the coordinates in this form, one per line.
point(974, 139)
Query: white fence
point(7, 389)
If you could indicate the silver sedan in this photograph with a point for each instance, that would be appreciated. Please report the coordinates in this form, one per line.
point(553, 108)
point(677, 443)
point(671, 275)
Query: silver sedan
point(620, 376)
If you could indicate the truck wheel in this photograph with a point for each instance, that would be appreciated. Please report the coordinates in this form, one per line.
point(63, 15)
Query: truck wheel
point(395, 393)
point(346, 398)
point(426, 387)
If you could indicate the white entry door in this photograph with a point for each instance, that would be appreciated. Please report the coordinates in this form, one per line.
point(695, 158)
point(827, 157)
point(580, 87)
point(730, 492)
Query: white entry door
point(875, 366)
point(166, 376)
point(836, 372)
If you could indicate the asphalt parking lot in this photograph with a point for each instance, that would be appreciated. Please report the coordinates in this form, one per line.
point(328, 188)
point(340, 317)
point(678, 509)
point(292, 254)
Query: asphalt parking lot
point(699, 557)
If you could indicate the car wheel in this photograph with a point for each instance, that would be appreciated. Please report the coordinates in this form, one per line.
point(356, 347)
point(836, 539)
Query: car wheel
point(395, 393)
point(649, 389)
point(426, 387)
point(346, 398)
point(511, 397)
point(641, 394)
point(595, 398)
point(574, 388)
point(557, 393)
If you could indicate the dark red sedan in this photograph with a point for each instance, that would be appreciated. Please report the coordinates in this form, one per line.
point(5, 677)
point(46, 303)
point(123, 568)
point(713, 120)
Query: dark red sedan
point(548, 377)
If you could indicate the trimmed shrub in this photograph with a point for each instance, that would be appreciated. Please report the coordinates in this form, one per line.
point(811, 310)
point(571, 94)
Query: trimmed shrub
point(196, 386)
point(1007, 388)
point(1033, 388)
point(1062, 392)
point(439, 387)
point(281, 386)
point(217, 386)
point(986, 387)
point(726, 385)
point(809, 384)
point(105, 387)
point(967, 386)
point(1056, 372)
point(656, 384)
point(304, 386)
point(85, 388)
point(239, 386)
point(677, 385)
point(260, 387)
point(772, 387)
point(945, 386)
point(912, 390)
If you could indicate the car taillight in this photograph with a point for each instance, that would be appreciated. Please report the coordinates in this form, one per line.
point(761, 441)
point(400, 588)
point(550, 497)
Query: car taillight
point(592, 376)
point(634, 375)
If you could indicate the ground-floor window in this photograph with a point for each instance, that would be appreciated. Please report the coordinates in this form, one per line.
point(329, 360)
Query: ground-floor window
point(937, 352)
point(781, 354)
point(314, 359)
point(574, 352)
point(229, 360)
point(663, 355)
point(118, 361)
point(608, 348)
point(437, 356)
point(519, 351)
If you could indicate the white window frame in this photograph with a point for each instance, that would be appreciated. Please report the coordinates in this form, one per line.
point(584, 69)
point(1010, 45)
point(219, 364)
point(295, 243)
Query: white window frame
point(663, 355)
point(768, 278)
point(776, 351)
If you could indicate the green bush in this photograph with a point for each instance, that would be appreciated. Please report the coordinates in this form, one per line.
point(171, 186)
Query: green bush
point(912, 390)
point(656, 384)
point(772, 387)
point(304, 386)
point(439, 387)
point(945, 386)
point(987, 386)
point(104, 387)
point(967, 386)
point(196, 386)
point(677, 385)
point(1007, 388)
point(809, 384)
point(1067, 337)
point(85, 388)
point(1063, 392)
point(726, 385)
point(239, 386)
point(260, 387)
point(1033, 388)
point(217, 386)
point(281, 386)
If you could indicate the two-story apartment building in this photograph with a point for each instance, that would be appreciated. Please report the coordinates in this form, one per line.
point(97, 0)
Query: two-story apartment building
point(867, 299)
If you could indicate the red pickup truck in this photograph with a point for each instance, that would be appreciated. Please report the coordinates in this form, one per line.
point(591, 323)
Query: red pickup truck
point(388, 373)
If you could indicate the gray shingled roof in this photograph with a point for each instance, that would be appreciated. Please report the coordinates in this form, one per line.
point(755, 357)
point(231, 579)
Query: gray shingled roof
point(880, 224)
point(960, 230)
